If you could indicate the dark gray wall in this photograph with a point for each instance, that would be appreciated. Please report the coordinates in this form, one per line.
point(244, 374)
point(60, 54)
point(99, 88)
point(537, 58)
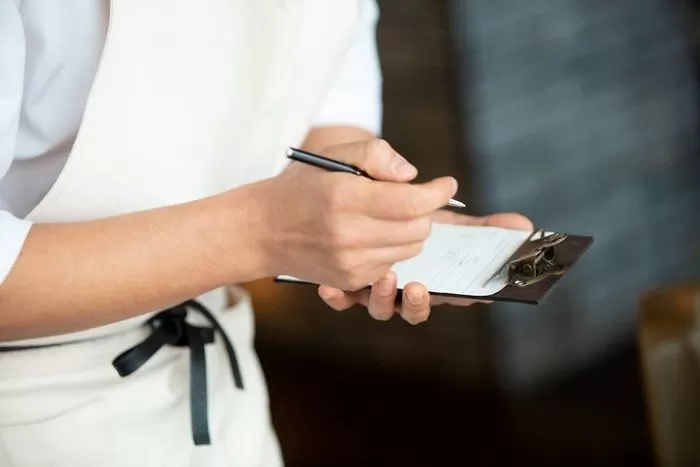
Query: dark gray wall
point(583, 115)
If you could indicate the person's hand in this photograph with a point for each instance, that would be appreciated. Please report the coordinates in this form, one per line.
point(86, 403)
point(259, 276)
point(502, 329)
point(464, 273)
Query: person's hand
point(416, 302)
point(340, 229)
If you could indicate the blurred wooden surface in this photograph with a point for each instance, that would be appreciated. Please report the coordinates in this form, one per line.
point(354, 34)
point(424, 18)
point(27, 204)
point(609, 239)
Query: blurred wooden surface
point(669, 333)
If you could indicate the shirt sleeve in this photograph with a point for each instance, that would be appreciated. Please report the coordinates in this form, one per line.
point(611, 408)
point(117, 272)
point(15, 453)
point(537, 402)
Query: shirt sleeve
point(355, 96)
point(13, 231)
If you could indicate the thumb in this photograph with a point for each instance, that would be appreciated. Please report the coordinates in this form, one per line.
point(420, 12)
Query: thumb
point(377, 158)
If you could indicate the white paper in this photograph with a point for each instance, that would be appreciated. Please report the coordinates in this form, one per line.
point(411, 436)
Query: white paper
point(460, 260)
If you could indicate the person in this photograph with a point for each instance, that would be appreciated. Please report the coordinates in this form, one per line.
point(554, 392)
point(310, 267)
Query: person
point(142, 176)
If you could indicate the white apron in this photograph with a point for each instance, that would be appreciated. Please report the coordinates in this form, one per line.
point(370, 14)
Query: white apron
point(190, 99)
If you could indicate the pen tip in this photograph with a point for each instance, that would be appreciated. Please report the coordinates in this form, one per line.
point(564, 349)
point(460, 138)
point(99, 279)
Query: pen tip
point(290, 152)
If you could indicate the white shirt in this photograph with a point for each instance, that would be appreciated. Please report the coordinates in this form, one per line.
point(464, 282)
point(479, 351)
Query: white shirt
point(49, 52)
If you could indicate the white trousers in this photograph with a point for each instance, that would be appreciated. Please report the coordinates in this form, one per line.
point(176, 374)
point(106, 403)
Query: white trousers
point(66, 406)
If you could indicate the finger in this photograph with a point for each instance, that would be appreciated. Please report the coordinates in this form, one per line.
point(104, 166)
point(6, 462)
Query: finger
point(388, 233)
point(415, 303)
point(436, 300)
point(335, 298)
point(388, 256)
point(376, 157)
point(509, 221)
point(506, 220)
point(407, 201)
point(444, 216)
point(382, 298)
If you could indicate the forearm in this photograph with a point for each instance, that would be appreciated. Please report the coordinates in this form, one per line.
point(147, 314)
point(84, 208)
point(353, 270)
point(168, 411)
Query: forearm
point(75, 276)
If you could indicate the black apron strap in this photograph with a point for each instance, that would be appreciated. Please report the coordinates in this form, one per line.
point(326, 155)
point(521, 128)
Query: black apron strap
point(170, 327)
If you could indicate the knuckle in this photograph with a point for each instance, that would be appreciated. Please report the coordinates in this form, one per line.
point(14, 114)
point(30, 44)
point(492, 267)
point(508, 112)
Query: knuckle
point(363, 275)
point(338, 237)
point(344, 264)
point(345, 236)
point(356, 281)
point(354, 275)
point(339, 198)
point(384, 203)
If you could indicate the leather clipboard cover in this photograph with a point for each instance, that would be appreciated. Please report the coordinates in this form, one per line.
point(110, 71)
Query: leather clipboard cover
point(532, 272)
point(567, 253)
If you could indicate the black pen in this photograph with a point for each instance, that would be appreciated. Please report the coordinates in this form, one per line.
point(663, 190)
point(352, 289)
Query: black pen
point(334, 166)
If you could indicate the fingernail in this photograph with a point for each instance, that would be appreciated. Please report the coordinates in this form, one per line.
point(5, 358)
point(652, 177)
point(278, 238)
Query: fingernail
point(385, 287)
point(455, 185)
point(415, 298)
point(402, 167)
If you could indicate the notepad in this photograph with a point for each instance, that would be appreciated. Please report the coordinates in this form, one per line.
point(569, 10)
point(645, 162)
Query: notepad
point(491, 263)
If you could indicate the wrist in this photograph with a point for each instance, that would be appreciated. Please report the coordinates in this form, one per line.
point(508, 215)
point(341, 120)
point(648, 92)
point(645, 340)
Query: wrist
point(240, 248)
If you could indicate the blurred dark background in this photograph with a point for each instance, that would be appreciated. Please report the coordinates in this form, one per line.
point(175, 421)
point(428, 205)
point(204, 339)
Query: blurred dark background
point(581, 114)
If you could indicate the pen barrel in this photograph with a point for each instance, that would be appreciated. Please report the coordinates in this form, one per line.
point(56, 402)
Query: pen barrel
point(324, 162)
point(335, 166)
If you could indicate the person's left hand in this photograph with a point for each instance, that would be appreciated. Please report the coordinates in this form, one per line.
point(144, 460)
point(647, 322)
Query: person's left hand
point(416, 302)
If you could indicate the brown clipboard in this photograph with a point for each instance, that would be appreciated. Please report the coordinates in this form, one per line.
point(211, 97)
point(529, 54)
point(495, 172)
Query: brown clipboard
point(537, 266)
point(533, 271)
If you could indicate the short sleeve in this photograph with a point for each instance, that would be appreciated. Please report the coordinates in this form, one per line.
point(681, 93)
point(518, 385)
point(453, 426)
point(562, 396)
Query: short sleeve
point(13, 231)
point(355, 96)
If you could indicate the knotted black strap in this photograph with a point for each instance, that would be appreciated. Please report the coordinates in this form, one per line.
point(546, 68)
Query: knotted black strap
point(171, 327)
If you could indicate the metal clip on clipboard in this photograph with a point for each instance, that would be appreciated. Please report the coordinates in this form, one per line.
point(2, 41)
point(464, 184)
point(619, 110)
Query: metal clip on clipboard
point(535, 260)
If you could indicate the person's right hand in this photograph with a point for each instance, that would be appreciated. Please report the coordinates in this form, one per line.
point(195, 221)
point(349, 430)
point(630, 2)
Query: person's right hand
point(343, 230)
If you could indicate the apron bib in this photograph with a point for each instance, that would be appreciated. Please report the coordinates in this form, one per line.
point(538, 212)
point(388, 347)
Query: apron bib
point(190, 99)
